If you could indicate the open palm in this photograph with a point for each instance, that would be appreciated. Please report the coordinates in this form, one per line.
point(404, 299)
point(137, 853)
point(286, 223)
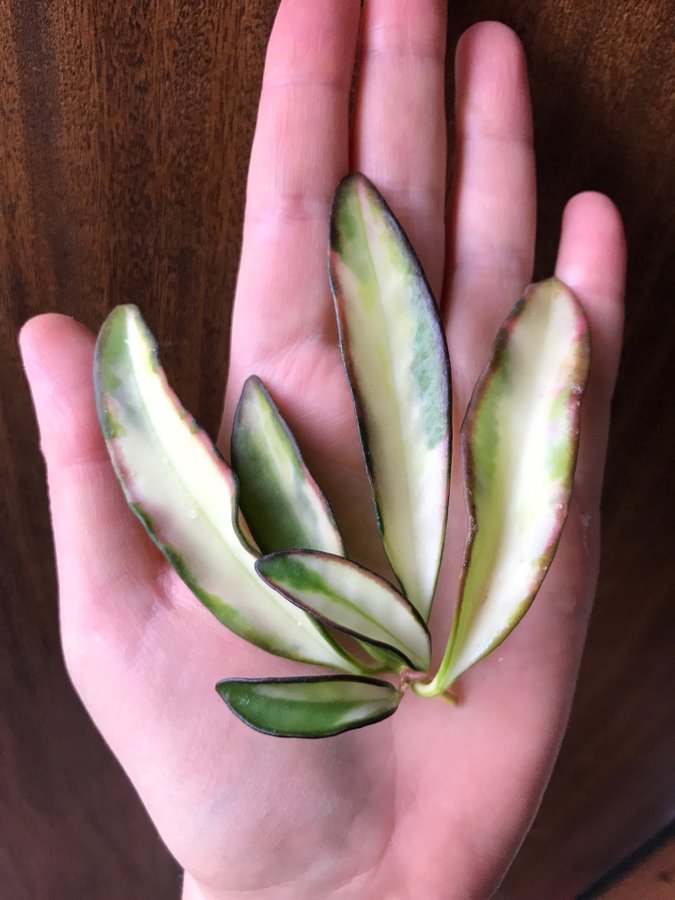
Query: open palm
point(434, 801)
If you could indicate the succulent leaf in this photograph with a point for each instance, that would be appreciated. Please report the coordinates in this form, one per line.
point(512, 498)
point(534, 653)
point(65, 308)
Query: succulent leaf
point(281, 502)
point(352, 599)
point(519, 444)
point(313, 707)
point(396, 359)
point(186, 496)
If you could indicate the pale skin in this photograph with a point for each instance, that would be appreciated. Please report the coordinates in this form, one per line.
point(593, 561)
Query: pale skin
point(435, 801)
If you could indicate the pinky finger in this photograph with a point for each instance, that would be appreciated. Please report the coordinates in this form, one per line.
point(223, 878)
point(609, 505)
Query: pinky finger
point(592, 262)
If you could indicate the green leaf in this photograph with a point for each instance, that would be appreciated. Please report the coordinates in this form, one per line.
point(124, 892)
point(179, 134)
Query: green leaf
point(519, 441)
point(396, 359)
point(185, 495)
point(312, 707)
point(352, 599)
point(282, 504)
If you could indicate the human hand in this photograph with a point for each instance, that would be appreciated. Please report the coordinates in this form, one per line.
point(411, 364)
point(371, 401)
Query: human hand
point(434, 801)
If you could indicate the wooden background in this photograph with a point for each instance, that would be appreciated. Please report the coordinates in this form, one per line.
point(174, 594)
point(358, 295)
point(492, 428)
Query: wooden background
point(124, 135)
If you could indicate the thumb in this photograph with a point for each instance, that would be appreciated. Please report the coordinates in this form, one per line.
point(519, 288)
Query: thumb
point(103, 558)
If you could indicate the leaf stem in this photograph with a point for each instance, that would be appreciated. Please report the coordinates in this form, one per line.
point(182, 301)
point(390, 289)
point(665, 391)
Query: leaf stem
point(436, 688)
point(409, 677)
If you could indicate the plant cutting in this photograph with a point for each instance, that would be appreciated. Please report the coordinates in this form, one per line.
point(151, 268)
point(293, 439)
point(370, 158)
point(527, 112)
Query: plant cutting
point(257, 542)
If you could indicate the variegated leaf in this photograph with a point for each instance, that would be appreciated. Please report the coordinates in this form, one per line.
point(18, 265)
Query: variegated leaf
point(351, 598)
point(309, 707)
point(281, 502)
point(519, 441)
point(396, 358)
point(185, 495)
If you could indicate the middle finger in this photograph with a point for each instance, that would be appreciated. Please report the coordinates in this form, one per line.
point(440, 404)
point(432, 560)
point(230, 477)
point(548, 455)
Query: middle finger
point(399, 137)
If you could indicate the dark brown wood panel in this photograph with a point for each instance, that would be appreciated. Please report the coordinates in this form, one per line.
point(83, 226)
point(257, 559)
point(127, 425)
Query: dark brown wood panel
point(124, 136)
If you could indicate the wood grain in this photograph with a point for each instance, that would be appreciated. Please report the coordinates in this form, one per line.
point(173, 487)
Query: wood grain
point(124, 135)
